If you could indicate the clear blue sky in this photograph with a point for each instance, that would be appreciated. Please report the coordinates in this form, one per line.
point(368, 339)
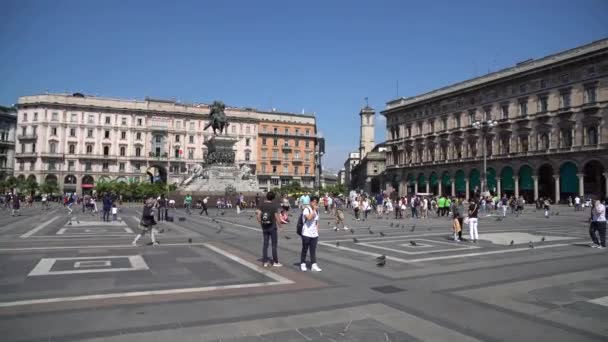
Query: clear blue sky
point(320, 56)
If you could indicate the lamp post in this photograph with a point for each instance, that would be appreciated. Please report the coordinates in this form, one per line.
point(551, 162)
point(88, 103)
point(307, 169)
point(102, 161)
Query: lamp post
point(484, 126)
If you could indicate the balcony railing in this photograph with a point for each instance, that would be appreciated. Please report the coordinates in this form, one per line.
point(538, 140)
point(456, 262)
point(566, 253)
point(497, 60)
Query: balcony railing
point(26, 155)
point(32, 136)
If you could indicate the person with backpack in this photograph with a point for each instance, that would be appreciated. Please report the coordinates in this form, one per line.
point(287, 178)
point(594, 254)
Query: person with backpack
point(147, 222)
point(309, 231)
point(269, 218)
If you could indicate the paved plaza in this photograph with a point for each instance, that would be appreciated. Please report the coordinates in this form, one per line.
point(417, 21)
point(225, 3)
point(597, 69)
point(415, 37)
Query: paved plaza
point(73, 278)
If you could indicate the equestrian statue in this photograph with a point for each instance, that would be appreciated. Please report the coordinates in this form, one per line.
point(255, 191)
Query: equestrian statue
point(217, 117)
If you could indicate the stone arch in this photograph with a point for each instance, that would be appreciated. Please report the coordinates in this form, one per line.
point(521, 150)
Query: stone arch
point(21, 178)
point(434, 183)
point(546, 184)
point(69, 179)
point(157, 173)
point(50, 179)
point(460, 184)
point(526, 182)
point(507, 182)
point(568, 180)
point(474, 182)
point(31, 178)
point(594, 184)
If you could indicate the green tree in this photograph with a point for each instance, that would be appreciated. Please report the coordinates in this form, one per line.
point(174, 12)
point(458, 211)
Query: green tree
point(103, 187)
point(30, 186)
point(49, 188)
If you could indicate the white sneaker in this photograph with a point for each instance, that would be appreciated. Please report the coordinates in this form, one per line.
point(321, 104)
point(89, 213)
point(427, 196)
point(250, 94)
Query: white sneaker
point(266, 264)
point(303, 267)
point(335, 229)
point(134, 244)
point(315, 268)
point(594, 245)
point(277, 264)
point(154, 243)
point(345, 228)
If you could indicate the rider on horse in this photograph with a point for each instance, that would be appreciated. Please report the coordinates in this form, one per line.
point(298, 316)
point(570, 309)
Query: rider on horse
point(217, 118)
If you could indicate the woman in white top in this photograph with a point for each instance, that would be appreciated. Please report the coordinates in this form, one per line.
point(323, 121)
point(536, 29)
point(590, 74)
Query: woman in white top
point(310, 234)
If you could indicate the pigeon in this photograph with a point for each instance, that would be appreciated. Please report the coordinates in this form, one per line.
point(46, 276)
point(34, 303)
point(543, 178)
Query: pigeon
point(391, 224)
point(77, 221)
point(382, 263)
point(530, 244)
point(287, 237)
point(382, 257)
point(499, 218)
point(69, 223)
point(542, 239)
point(402, 226)
point(512, 243)
point(382, 234)
point(371, 232)
point(413, 228)
point(338, 244)
point(413, 243)
point(189, 240)
point(355, 240)
point(222, 213)
point(352, 231)
point(557, 213)
point(214, 220)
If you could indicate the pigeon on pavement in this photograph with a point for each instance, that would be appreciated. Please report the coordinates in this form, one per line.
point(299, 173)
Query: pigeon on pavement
point(338, 244)
point(352, 231)
point(512, 243)
point(287, 237)
point(413, 228)
point(530, 244)
point(382, 234)
point(542, 239)
point(413, 243)
point(382, 257)
point(391, 224)
point(355, 240)
point(189, 240)
point(381, 263)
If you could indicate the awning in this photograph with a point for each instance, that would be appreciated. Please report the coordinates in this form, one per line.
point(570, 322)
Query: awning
point(88, 186)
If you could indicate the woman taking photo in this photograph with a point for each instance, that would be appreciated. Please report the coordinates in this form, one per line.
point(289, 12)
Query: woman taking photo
point(310, 234)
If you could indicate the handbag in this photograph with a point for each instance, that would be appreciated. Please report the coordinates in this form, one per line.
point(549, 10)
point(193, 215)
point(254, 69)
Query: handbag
point(466, 220)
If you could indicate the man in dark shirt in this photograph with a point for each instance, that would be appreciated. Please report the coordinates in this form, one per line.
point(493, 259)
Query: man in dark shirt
point(162, 204)
point(268, 215)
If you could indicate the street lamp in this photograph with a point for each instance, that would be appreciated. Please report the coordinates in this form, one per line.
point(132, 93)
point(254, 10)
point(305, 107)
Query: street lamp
point(484, 126)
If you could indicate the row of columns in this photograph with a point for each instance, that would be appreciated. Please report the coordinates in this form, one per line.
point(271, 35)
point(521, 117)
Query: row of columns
point(556, 178)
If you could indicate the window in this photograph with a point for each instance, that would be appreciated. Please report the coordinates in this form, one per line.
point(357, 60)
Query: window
point(523, 143)
point(247, 156)
point(505, 145)
point(139, 122)
point(22, 148)
point(297, 131)
point(74, 117)
point(296, 155)
point(53, 147)
point(471, 117)
point(105, 167)
point(192, 126)
point(307, 144)
point(123, 121)
point(123, 135)
point(420, 130)
point(457, 120)
point(158, 139)
point(565, 99)
point(523, 88)
point(275, 130)
point(51, 165)
point(89, 149)
point(274, 169)
point(444, 123)
point(106, 134)
point(91, 118)
point(178, 124)
point(592, 136)
point(123, 151)
point(523, 107)
point(121, 166)
point(137, 167)
point(71, 166)
point(54, 131)
point(543, 84)
point(24, 117)
point(296, 170)
point(247, 129)
point(106, 150)
point(89, 133)
point(285, 156)
point(504, 109)
point(297, 142)
point(590, 95)
point(275, 154)
point(247, 141)
point(34, 148)
point(233, 128)
point(264, 129)
point(275, 142)
point(542, 104)
point(191, 139)
point(107, 120)
point(87, 166)
point(488, 114)
point(409, 131)
point(307, 132)
point(138, 136)
point(566, 137)
point(72, 132)
point(54, 116)
point(285, 169)
point(286, 130)
point(72, 149)
point(306, 170)
point(431, 127)
point(176, 152)
point(138, 151)
point(35, 116)
point(177, 137)
point(190, 153)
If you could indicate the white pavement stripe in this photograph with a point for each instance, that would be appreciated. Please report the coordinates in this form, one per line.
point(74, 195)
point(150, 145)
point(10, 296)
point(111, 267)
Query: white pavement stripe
point(38, 228)
point(234, 224)
point(600, 301)
point(92, 247)
point(279, 280)
point(452, 256)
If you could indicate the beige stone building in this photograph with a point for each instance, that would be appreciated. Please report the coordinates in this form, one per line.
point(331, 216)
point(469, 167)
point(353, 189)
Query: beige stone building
point(544, 123)
point(79, 140)
point(8, 123)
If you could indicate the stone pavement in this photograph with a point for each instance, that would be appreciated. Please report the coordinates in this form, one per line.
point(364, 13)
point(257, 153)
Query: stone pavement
point(68, 278)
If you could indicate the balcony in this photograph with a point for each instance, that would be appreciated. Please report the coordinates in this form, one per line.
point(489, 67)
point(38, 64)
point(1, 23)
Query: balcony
point(297, 160)
point(288, 135)
point(590, 106)
point(286, 148)
point(95, 157)
point(24, 155)
point(25, 137)
point(7, 143)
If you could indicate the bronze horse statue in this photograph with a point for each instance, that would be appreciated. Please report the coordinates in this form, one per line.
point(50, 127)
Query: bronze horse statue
point(217, 118)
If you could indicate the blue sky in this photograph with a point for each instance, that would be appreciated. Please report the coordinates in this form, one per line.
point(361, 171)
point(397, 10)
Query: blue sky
point(318, 56)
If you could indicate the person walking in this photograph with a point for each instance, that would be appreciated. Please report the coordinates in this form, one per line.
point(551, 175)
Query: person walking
point(161, 204)
point(16, 205)
point(269, 218)
point(547, 207)
point(147, 222)
point(188, 204)
point(577, 203)
point(310, 235)
point(204, 206)
point(441, 205)
point(456, 215)
point(473, 213)
point(456, 227)
point(598, 224)
point(70, 204)
point(504, 203)
point(339, 205)
point(357, 208)
point(107, 207)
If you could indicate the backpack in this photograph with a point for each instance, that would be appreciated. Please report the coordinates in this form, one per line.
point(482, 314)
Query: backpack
point(146, 218)
point(300, 225)
point(267, 218)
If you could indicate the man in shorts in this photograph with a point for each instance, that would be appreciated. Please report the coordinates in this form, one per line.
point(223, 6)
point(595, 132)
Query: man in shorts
point(339, 205)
